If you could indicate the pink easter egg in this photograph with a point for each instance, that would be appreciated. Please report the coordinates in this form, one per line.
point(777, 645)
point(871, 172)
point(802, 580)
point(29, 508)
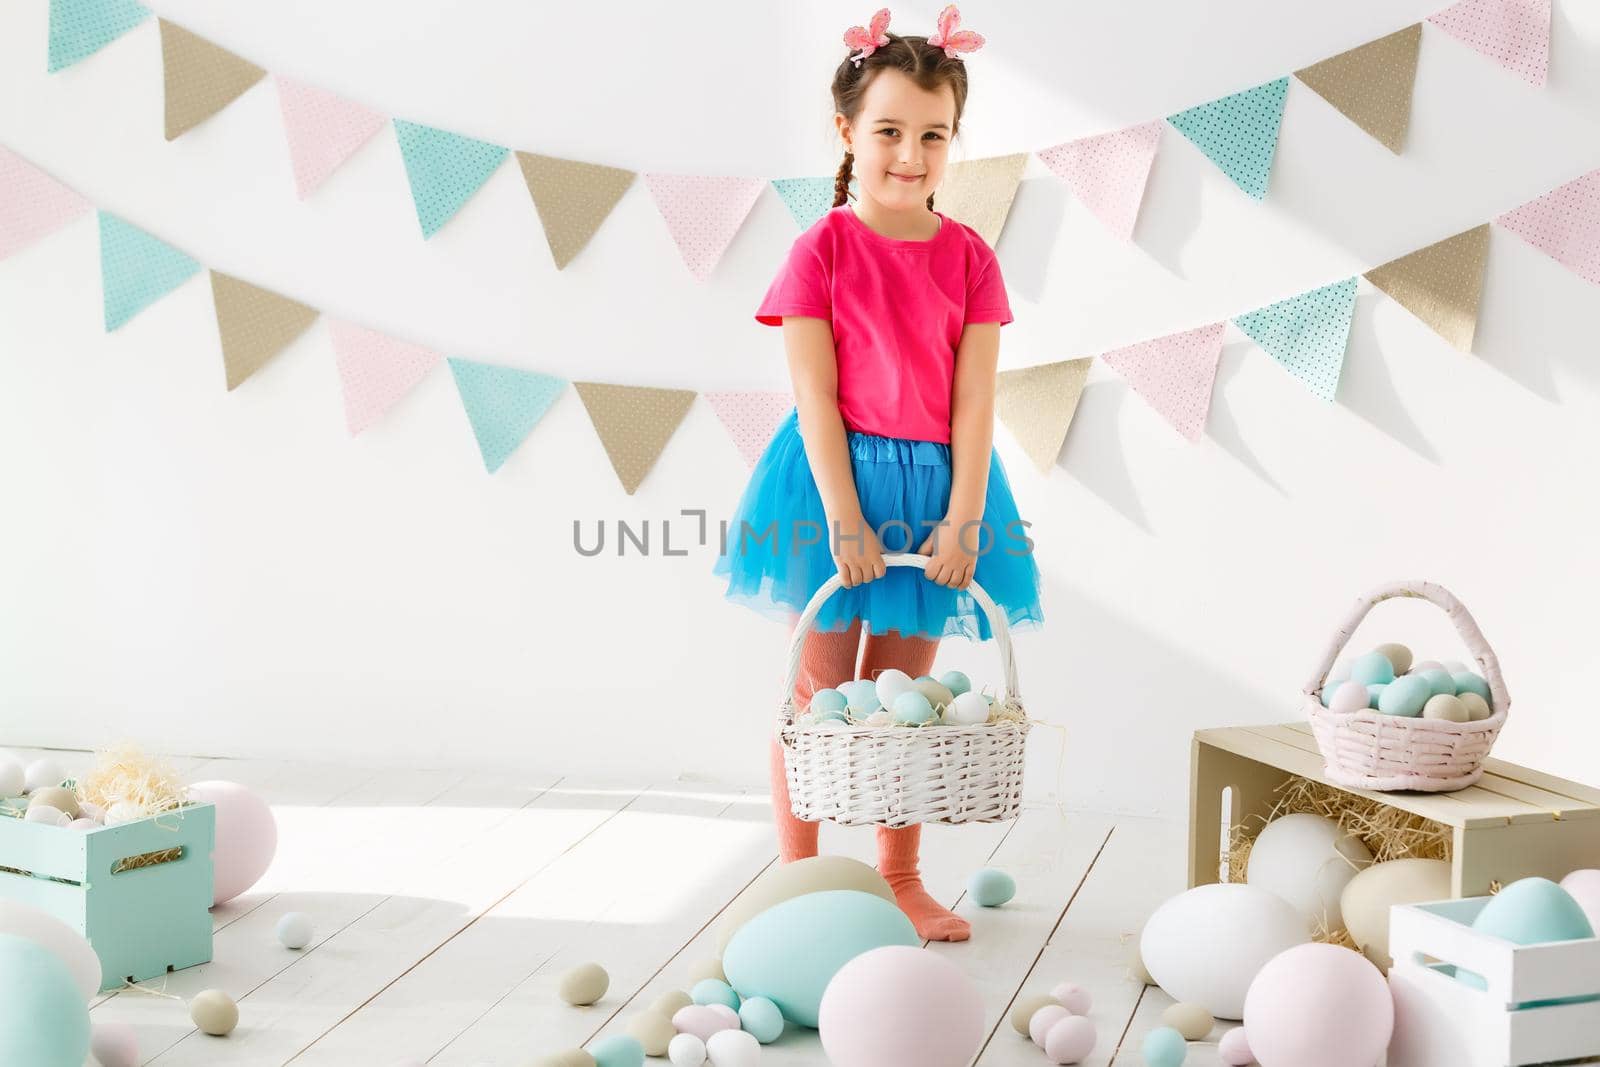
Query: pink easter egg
point(1040, 1022)
point(1349, 698)
point(727, 1014)
point(1585, 889)
point(1234, 1049)
point(1318, 1005)
point(1069, 1040)
point(702, 1021)
point(246, 837)
point(1073, 997)
point(901, 1005)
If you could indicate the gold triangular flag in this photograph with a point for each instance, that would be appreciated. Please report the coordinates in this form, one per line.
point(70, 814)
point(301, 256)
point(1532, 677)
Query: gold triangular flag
point(573, 198)
point(1372, 84)
point(1440, 284)
point(979, 192)
point(1037, 405)
point(256, 324)
point(201, 78)
point(634, 423)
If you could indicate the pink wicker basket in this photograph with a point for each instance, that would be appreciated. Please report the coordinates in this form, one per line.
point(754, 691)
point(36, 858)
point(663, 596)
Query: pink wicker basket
point(1369, 750)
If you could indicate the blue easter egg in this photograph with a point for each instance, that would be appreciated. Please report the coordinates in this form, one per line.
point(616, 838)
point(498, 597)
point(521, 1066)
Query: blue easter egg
point(714, 991)
point(830, 715)
point(991, 888)
point(1164, 1047)
point(1373, 693)
point(1440, 681)
point(862, 695)
point(761, 1019)
point(911, 708)
point(1530, 911)
point(1405, 696)
point(1468, 682)
point(956, 682)
point(790, 952)
point(829, 700)
point(1373, 668)
point(618, 1050)
point(44, 1021)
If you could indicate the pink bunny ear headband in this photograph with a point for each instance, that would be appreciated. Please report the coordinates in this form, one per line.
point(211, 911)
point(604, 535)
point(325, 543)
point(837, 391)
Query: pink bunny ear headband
point(876, 35)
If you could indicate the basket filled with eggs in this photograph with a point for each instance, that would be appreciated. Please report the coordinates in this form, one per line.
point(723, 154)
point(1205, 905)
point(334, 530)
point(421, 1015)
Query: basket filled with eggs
point(896, 751)
point(1389, 722)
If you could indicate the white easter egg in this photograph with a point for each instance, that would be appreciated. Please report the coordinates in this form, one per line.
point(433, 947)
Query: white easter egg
point(890, 684)
point(43, 772)
point(294, 929)
point(46, 814)
point(967, 709)
point(1307, 860)
point(686, 1050)
point(733, 1048)
point(13, 776)
point(878, 718)
point(1205, 946)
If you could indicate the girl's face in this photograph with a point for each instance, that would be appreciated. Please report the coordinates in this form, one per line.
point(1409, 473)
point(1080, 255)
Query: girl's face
point(902, 130)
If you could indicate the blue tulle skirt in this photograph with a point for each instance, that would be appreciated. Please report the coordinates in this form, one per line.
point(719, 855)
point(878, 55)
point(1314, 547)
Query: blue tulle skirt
point(775, 562)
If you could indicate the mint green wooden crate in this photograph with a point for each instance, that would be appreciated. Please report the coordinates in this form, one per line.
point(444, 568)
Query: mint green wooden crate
point(141, 922)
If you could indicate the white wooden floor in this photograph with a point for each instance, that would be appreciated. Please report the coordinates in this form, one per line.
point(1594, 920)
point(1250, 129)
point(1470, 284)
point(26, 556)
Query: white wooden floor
point(447, 906)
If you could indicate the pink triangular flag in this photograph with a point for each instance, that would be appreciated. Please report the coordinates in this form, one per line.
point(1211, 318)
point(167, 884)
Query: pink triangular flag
point(1564, 224)
point(32, 204)
point(375, 371)
point(1108, 172)
point(703, 214)
point(751, 418)
point(323, 130)
point(1174, 374)
point(1513, 33)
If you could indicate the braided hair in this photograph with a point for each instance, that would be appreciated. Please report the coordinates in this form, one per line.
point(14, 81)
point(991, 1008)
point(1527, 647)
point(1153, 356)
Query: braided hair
point(928, 67)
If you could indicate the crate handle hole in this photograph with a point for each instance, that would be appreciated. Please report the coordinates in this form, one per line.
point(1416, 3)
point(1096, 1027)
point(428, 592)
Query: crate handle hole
point(1225, 850)
point(149, 859)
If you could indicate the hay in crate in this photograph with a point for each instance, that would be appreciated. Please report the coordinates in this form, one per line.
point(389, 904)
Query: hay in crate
point(149, 785)
point(1388, 832)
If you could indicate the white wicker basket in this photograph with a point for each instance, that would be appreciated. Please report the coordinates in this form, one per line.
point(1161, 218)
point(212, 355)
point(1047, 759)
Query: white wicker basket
point(901, 775)
point(1370, 750)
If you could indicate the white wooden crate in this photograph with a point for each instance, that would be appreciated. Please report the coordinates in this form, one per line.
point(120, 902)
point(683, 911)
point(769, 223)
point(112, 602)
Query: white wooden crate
point(1443, 1022)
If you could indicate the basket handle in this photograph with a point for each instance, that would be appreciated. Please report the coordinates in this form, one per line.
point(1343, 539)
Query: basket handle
point(1464, 623)
point(997, 622)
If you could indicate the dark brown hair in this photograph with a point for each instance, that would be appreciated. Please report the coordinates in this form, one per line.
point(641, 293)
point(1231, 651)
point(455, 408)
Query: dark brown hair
point(928, 67)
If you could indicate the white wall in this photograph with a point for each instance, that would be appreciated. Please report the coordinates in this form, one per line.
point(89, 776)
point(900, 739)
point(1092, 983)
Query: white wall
point(230, 573)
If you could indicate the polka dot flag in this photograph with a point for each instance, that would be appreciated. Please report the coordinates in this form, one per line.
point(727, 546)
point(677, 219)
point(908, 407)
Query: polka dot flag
point(1239, 133)
point(1308, 333)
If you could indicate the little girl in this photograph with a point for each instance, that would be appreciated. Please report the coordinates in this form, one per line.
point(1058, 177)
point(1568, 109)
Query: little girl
point(891, 316)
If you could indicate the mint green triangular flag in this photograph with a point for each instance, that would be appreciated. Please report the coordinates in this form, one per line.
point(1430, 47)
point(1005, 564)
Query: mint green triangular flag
point(503, 404)
point(1308, 333)
point(1239, 133)
point(808, 199)
point(445, 169)
point(80, 28)
point(136, 269)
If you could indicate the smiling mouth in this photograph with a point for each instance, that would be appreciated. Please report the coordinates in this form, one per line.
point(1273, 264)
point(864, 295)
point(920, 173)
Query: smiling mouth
point(906, 178)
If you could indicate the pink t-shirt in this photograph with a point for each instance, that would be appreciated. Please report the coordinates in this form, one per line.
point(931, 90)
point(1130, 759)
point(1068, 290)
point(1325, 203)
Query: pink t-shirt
point(898, 308)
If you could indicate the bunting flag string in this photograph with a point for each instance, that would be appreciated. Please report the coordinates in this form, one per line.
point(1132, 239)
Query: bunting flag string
point(1037, 405)
point(1440, 284)
point(1371, 84)
point(1564, 224)
point(1308, 333)
point(503, 404)
point(634, 423)
point(375, 371)
point(137, 269)
point(1174, 374)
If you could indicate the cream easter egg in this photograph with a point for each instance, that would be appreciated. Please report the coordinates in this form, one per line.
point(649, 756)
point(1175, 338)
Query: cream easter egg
point(1477, 707)
point(1366, 900)
point(891, 683)
point(967, 709)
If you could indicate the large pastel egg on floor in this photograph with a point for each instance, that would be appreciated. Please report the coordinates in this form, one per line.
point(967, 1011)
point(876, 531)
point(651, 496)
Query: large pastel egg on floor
point(1531, 911)
point(1307, 860)
point(1405, 696)
point(1366, 900)
point(1319, 1005)
point(1206, 945)
point(790, 952)
point(901, 1004)
point(785, 881)
point(1584, 886)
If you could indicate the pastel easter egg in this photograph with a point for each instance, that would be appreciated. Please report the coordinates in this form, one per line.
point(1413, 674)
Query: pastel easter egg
point(712, 991)
point(890, 683)
point(990, 888)
point(1206, 945)
point(1350, 698)
point(1477, 707)
point(1399, 657)
point(1070, 1040)
point(1373, 668)
point(791, 951)
point(862, 695)
point(828, 700)
point(1405, 696)
point(700, 1020)
point(912, 708)
point(785, 881)
point(1468, 682)
point(938, 695)
point(1447, 707)
point(1164, 1047)
point(1440, 681)
point(617, 1050)
point(761, 1018)
point(956, 682)
point(1373, 693)
point(1426, 665)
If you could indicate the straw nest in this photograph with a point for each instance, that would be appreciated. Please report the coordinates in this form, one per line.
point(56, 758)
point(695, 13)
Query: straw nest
point(1388, 832)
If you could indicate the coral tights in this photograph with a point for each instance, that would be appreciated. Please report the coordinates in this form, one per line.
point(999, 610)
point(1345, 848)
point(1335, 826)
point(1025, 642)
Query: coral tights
point(827, 659)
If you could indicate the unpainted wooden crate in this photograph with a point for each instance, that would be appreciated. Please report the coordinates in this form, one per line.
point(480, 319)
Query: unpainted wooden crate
point(1515, 823)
